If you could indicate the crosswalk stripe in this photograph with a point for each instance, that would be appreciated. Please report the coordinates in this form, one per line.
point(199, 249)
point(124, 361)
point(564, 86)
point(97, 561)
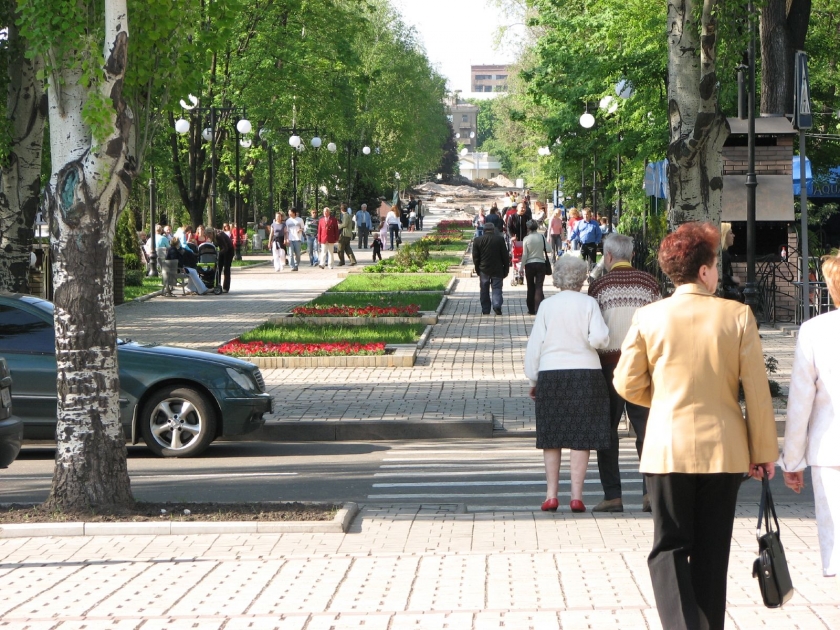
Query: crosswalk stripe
point(462, 484)
point(491, 495)
point(471, 473)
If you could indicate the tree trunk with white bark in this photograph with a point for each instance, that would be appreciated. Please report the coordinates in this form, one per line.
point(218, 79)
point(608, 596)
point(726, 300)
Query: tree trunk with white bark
point(698, 127)
point(20, 173)
point(89, 187)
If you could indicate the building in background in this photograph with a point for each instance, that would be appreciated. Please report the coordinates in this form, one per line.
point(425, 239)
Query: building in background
point(479, 166)
point(464, 119)
point(489, 78)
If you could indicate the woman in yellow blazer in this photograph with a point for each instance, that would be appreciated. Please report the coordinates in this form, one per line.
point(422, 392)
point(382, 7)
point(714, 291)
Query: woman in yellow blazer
point(684, 358)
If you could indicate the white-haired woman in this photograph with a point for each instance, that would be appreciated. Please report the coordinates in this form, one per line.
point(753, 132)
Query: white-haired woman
point(567, 384)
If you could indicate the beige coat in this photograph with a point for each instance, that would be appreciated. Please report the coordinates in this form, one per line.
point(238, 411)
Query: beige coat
point(683, 357)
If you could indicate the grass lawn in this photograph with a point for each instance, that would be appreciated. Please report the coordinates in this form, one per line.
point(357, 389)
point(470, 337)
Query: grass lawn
point(392, 282)
point(449, 247)
point(150, 285)
point(307, 333)
point(245, 263)
point(426, 302)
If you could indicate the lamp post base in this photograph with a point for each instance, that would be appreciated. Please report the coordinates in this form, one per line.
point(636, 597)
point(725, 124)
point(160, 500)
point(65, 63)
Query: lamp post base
point(751, 298)
point(238, 253)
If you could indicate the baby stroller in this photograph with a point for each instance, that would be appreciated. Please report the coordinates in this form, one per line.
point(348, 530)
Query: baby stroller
point(518, 276)
point(208, 267)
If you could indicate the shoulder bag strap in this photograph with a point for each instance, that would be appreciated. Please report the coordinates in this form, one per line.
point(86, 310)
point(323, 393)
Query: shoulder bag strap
point(766, 509)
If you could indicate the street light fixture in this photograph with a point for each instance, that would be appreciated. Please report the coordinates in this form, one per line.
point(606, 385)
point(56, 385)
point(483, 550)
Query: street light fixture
point(587, 120)
point(366, 150)
point(331, 147)
point(294, 141)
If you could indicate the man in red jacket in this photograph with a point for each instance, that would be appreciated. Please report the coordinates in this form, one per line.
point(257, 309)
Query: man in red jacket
point(327, 237)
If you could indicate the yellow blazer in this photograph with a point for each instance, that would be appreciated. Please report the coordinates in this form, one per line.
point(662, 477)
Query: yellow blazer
point(683, 357)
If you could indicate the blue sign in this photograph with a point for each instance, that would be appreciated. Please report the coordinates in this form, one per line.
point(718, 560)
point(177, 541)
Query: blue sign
point(802, 118)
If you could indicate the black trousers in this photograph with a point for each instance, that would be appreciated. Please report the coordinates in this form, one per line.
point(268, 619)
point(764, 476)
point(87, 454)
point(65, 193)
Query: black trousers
point(692, 530)
point(534, 277)
point(589, 251)
point(225, 261)
point(608, 468)
point(363, 237)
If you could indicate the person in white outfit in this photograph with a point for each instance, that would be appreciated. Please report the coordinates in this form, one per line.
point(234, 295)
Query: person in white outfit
point(278, 241)
point(812, 430)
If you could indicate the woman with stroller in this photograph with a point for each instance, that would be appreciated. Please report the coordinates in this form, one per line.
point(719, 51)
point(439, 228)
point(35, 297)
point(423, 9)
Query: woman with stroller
point(186, 261)
point(278, 241)
point(567, 384)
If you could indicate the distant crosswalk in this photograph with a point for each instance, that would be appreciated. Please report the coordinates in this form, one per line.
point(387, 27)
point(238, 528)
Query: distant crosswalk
point(505, 475)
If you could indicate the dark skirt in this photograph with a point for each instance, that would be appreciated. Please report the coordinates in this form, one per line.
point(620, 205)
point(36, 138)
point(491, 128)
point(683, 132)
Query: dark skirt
point(573, 410)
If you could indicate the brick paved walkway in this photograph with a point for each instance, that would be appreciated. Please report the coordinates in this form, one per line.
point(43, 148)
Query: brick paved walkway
point(398, 567)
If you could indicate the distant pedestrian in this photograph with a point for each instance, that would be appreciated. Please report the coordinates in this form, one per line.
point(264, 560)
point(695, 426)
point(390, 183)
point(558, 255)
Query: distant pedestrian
point(224, 248)
point(312, 237)
point(494, 218)
point(294, 237)
point(567, 385)
point(620, 293)
point(492, 264)
point(588, 233)
point(812, 430)
point(478, 222)
point(376, 245)
point(278, 242)
point(534, 251)
point(327, 238)
point(685, 357)
point(393, 223)
point(420, 212)
point(555, 233)
point(517, 223)
point(412, 221)
point(345, 237)
point(363, 225)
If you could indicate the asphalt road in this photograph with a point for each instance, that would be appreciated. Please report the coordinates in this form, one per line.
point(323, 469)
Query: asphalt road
point(483, 475)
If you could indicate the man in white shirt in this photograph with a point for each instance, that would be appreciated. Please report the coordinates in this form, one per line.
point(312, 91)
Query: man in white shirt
point(294, 236)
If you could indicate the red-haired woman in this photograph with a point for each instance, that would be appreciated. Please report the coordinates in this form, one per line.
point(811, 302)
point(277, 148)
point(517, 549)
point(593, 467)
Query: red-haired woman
point(684, 358)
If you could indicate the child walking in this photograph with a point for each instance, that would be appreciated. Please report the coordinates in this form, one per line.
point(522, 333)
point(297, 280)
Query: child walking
point(376, 246)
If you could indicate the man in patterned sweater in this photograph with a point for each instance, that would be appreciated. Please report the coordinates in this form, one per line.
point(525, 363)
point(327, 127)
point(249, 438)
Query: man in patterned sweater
point(619, 293)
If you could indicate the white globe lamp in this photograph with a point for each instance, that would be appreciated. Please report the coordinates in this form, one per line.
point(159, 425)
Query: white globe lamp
point(182, 126)
point(315, 142)
point(587, 120)
point(331, 147)
point(244, 126)
point(294, 141)
point(207, 134)
point(245, 143)
point(366, 150)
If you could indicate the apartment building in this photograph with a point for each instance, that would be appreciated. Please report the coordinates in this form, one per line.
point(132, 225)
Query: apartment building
point(489, 78)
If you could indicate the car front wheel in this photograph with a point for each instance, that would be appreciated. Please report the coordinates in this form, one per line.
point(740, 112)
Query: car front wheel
point(178, 422)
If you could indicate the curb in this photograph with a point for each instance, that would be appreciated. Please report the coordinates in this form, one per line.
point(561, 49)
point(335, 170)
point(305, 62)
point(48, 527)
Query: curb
point(362, 431)
point(425, 317)
point(403, 356)
point(338, 525)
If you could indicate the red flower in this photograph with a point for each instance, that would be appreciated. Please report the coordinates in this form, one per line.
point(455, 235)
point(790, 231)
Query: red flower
point(237, 348)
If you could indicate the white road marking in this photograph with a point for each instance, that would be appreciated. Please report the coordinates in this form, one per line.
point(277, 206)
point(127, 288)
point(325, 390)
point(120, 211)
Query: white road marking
point(168, 476)
point(491, 495)
point(462, 484)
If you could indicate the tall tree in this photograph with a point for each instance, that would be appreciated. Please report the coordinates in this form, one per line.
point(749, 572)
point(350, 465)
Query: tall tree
point(91, 176)
point(784, 25)
point(698, 127)
point(20, 168)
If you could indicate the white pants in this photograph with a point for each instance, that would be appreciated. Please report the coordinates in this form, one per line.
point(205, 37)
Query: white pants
point(279, 255)
point(194, 282)
point(826, 481)
point(327, 255)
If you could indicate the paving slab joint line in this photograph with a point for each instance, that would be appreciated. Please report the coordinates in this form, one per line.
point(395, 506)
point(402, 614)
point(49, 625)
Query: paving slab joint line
point(339, 524)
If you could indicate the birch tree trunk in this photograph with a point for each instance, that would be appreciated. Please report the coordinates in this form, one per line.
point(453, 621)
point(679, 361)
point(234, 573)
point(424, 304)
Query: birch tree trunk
point(698, 128)
point(20, 174)
point(88, 189)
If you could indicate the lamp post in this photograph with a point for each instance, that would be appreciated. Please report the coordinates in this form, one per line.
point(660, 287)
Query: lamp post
point(587, 121)
point(182, 126)
point(750, 291)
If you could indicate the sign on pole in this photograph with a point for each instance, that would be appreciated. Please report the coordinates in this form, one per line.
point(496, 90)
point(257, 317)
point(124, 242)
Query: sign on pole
point(802, 118)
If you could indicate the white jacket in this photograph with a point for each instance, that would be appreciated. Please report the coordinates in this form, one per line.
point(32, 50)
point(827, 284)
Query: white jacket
point(568, 331)
point(812, 431)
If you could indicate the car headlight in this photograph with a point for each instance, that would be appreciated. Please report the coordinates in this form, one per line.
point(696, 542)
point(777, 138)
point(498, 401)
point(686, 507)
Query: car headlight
point(242, 380)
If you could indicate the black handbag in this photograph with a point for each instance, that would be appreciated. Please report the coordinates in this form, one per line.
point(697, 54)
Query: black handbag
point(771, 567)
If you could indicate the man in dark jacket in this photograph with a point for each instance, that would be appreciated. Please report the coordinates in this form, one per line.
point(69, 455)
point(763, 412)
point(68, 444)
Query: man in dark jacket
point(517, 224)
point(491, 260)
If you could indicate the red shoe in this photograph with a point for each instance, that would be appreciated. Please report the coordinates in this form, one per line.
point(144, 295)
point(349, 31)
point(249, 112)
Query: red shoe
point(577, 506)
point(550, 505)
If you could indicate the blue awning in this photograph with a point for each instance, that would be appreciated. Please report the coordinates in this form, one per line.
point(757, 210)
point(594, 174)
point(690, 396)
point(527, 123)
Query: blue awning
point(656, 179)
point(823, 187)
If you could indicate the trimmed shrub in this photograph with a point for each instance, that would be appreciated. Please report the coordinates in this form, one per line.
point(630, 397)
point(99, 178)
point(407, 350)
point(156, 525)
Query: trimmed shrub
point(133, 278)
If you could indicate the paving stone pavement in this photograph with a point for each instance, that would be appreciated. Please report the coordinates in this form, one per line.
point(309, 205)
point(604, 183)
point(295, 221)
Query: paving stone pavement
point(399, 566)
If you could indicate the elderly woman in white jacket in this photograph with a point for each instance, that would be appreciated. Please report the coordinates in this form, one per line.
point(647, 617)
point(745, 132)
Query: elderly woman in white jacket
point(567, 384)
point(812, 431)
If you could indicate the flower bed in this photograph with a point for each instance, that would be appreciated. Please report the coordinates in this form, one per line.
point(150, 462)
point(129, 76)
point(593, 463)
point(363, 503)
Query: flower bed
point(454, 225)
point(443, 239)
point(238, 348)
point(411, 310)
point(379, 283)
point(430, 266)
